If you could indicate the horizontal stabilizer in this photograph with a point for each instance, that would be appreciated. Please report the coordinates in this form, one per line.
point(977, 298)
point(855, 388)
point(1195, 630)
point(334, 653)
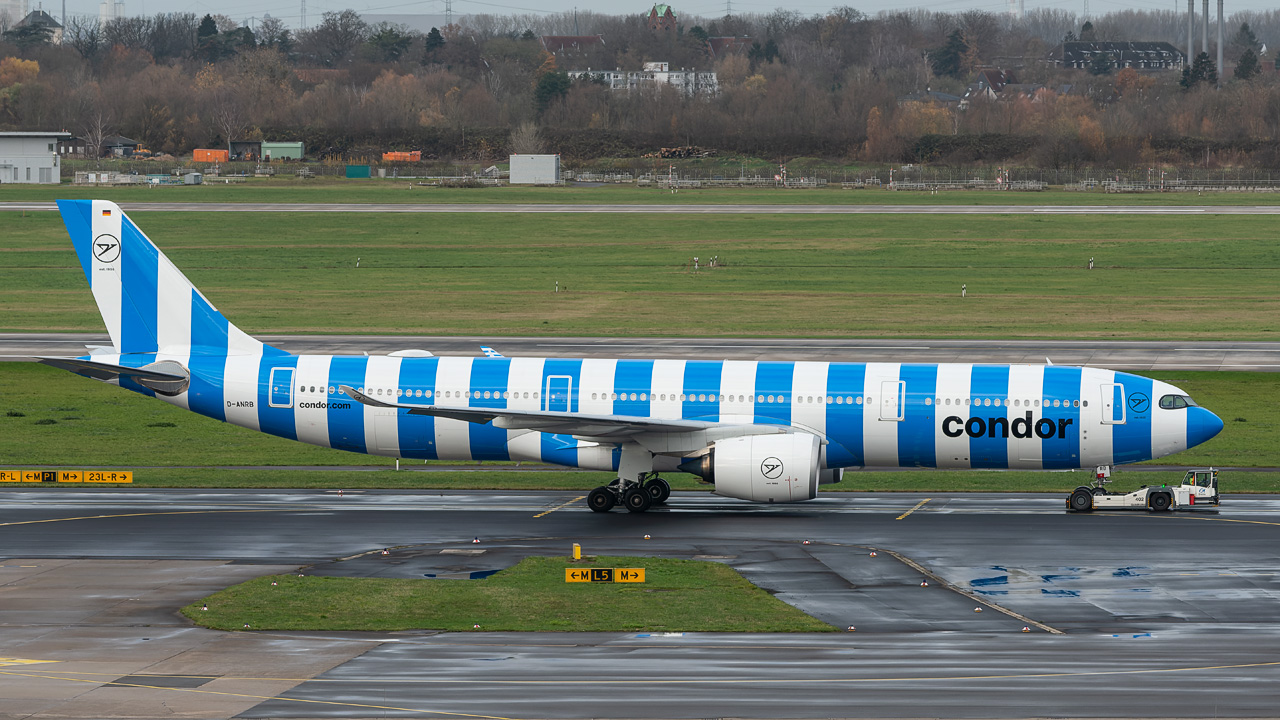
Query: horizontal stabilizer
point(165, 377)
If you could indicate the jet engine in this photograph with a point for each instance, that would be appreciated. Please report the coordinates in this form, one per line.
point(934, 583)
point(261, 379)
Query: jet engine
point(763, 468)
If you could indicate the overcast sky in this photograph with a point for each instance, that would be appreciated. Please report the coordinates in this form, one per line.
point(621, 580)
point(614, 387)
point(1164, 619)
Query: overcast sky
point(288, 10)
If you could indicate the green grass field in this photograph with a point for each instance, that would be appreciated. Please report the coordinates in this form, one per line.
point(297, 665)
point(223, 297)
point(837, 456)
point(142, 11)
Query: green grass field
point(50, 417)
point(340, 190)
point(1157, 277)
point(532, 596)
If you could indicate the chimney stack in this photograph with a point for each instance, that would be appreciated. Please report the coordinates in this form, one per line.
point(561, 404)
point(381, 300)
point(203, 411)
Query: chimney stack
point(1220, 21)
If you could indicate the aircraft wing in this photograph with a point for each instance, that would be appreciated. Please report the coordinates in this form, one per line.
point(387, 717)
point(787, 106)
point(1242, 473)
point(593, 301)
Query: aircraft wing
point(490, 352)
point(543, 421)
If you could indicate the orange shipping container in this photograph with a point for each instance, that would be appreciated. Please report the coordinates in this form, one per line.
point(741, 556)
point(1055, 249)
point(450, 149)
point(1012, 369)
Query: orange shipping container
point(398, 156)
point(204, 155)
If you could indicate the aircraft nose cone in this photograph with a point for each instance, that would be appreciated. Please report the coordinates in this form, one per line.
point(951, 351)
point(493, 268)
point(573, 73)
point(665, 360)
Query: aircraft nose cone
point(1202, 426)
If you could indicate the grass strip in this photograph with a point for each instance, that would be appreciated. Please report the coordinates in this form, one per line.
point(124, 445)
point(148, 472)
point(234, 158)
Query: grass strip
point(532, 596)
point(1156, 277)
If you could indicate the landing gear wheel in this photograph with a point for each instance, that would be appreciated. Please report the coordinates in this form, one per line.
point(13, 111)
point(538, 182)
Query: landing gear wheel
point(601, 500)
point(1160, 502)
point(1082, 500)
point(659, 490)
point(636, 500)
point(1100, 491)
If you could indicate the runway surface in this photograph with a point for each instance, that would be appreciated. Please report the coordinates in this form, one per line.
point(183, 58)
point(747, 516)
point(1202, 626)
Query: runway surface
point(695, 209)
point(1131, 614)
point(1126, 355)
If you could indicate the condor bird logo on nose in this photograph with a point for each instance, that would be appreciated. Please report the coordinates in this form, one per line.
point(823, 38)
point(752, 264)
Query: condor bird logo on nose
point(106, 248)
point(771, 467)
point(1138, 402)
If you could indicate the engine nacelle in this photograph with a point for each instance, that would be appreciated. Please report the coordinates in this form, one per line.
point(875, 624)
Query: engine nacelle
point(763, 468)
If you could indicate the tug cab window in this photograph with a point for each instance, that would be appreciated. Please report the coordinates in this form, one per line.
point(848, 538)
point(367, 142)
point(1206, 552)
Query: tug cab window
point(1174, 402)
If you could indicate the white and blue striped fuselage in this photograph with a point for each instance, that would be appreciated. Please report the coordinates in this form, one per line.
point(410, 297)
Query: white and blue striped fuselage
point(868, 414)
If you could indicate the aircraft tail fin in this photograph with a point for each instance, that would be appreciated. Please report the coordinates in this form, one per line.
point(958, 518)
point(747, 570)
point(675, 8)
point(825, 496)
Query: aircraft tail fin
point(147, 304)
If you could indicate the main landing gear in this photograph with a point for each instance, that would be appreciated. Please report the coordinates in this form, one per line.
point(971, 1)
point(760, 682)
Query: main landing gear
point(636, 496)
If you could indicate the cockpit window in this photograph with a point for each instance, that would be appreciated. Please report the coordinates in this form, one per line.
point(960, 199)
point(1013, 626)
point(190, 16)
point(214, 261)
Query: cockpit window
point(1174, 402)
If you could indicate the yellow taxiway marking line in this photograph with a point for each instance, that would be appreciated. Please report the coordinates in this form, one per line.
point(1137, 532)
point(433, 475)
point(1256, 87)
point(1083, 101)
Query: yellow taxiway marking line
point(1183, 516)
point(564, 505)
point(917, 507)
point(635, 681)
point(7, 662)
point(103, 683)
point(1222, 519)
point(144, 514)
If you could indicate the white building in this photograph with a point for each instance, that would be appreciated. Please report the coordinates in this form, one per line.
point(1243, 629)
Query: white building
point(110, 10)
point(535, 169)
point(12, 12)
point(30, 157)
point(654, 74)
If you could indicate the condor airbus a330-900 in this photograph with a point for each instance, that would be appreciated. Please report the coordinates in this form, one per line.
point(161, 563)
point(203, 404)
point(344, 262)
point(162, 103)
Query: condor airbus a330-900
point(761, 431)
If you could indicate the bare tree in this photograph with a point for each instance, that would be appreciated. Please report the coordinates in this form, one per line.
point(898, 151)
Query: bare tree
point(135, 33)
point(83, 34)
point(334, 40)
point(175, 35)
point(95, 128)
point(227, 112)
point(525, 139)
point(272, 32)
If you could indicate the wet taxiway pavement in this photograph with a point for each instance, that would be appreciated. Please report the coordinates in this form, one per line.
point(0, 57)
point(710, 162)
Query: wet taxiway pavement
point(1161, 615)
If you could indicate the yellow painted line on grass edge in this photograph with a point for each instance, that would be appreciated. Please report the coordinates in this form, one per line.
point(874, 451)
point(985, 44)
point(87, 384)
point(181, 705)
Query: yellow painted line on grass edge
point(917, 507)
point(563, 505)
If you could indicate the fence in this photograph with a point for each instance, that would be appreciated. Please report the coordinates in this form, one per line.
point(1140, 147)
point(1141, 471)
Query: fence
point(908, 177)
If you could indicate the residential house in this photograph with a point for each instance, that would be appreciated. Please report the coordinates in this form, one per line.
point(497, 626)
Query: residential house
point(40, 18)
point(988, 84)
point(118, 146)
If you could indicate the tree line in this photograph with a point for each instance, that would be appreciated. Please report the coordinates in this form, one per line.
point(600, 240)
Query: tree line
point(839, 85)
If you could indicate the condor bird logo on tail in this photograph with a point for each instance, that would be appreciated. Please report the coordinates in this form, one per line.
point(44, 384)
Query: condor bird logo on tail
point(106, 248)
